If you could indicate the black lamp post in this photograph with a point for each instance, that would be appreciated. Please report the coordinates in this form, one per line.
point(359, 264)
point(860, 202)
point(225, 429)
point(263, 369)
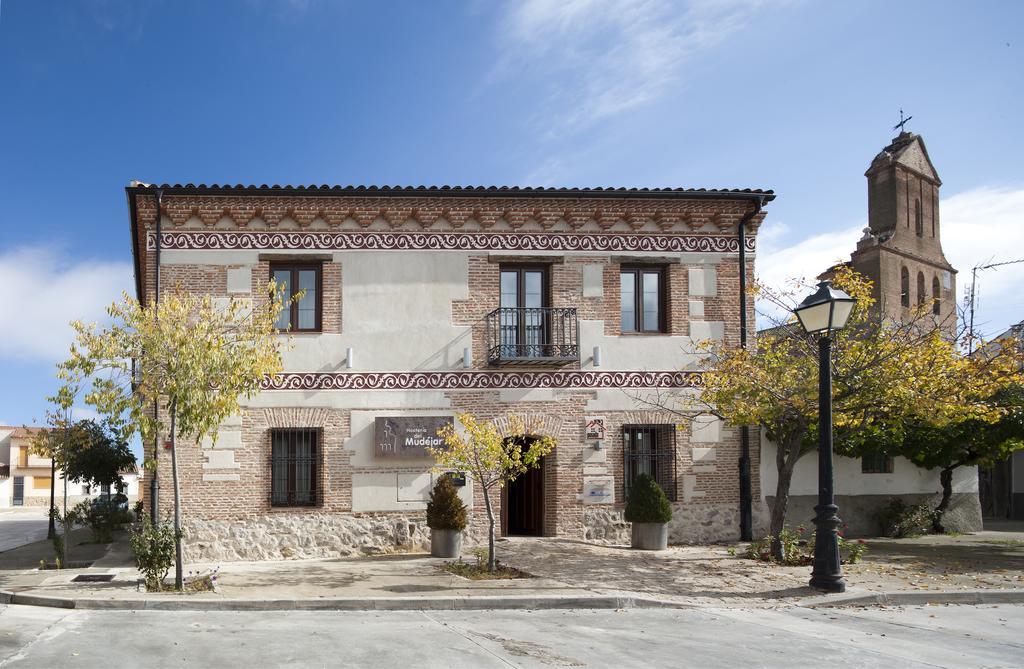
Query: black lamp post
point(826, 310)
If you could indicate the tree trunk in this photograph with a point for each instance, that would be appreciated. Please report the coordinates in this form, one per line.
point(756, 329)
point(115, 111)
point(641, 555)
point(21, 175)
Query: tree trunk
point(178, 561)
point(788, 454)
point(946, 479)
point(51, 532)
point(492, 564)
point(68, 524)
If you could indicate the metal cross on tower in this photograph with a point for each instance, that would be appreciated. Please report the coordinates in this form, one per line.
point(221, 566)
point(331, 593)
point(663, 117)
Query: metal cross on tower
point(903, 121)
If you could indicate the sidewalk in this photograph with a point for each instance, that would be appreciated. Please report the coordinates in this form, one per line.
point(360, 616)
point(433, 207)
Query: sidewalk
point(567, 574)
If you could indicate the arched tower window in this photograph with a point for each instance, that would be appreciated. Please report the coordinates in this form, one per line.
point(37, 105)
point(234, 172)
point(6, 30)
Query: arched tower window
point(918, 219)
point(936, 296)
point(921, 297)
point(905, 287)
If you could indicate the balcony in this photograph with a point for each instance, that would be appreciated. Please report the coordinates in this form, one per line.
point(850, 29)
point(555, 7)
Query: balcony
point(532, 336)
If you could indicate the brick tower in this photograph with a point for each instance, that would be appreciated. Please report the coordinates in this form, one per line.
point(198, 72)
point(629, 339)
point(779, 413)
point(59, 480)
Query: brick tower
point(901, 250)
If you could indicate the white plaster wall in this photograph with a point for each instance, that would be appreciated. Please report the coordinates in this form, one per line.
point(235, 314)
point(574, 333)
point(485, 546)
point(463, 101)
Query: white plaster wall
point(647, 352)
point(906, 478)
point(6, 493)
point(390, 490)
point(396, 315)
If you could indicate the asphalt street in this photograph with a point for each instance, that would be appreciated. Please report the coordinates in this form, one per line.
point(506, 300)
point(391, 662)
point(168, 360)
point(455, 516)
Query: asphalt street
point(927, 636)
point(22, 526)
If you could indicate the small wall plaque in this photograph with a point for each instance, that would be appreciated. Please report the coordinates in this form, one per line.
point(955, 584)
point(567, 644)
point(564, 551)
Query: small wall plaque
point(595, 428)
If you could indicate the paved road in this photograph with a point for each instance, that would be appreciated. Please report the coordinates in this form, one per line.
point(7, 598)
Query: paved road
point(929, 636)
point(21, 527)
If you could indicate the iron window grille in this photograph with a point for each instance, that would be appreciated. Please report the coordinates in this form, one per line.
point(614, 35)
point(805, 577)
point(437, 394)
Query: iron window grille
point(294, 467)
point(650, 449)
point(876, 463)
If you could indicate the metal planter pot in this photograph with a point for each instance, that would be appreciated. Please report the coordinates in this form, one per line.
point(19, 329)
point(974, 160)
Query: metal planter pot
point(650, 536)
point(445, 543)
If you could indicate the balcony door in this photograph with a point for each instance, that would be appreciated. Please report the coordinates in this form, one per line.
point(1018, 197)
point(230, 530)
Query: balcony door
point(523, 321)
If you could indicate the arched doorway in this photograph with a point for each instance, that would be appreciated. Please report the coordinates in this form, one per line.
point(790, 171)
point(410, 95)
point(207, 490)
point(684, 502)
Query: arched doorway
point(523, 503)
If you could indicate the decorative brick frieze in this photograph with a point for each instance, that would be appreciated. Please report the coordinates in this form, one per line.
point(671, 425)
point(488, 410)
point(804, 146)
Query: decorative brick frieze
point(669, 215)
point(480, 380)
point(462, 241)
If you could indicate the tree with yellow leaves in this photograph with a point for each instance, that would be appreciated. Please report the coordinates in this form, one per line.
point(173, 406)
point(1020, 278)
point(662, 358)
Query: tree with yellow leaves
point(884, 373)
point(492, 456)
point(187, 354)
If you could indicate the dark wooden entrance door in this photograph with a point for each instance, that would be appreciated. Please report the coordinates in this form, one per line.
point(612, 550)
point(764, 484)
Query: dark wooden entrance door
point(524, 504)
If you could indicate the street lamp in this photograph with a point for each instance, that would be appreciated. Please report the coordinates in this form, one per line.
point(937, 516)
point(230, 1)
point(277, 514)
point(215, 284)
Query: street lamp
point(826, 310)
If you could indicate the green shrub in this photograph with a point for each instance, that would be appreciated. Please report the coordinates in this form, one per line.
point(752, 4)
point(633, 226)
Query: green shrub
point(100, 519)
point(445, 511)
point(899, 519)
point(647, 502)
point(153, 548)
point(798, 548)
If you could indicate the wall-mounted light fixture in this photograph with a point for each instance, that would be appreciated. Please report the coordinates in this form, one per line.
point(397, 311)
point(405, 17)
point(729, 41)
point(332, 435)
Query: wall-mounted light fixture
point(598, 445)
point(349, 362)
point(597, 356)
point(467, 358)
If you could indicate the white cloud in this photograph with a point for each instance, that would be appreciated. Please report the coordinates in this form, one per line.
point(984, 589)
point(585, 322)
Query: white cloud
point(604, 57)
point(45, 291)
point(978, 226)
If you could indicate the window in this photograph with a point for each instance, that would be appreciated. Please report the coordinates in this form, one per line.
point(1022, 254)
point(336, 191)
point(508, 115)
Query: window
point(41, 482)
point(642, 299)
point(650, 449)
point(302, 315)
point(294, 467)
point(523, 321)
point(936, 296)
point(876, 463)
point(86, 490)
point(905, 287)
point(918, 219)
point(921, 297)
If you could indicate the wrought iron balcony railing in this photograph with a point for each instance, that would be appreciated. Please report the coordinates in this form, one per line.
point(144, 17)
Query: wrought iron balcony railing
point(533, 336)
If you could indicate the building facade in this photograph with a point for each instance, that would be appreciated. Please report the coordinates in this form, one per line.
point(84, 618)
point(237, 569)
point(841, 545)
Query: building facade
point(577, 310)
point(26, 478)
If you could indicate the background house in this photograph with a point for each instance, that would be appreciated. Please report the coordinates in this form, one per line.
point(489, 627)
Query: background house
point(25, 478)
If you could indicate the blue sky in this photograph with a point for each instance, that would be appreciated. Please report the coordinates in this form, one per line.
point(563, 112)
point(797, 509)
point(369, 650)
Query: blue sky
point(794, 96)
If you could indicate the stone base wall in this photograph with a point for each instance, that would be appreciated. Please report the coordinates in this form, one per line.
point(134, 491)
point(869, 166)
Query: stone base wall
point(314, 535)
point(858, 511)
point(690, 524)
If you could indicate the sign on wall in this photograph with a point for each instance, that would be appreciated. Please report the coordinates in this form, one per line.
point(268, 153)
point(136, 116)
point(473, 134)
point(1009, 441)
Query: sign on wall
point(595, 428)
point(407, 436)
point(599, 490)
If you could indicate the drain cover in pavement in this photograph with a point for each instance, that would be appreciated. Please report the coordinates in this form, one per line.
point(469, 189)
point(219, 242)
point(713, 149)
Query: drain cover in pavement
point(93, 578)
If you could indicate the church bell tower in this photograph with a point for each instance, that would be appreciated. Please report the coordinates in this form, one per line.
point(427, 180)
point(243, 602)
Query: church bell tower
point(901, 250)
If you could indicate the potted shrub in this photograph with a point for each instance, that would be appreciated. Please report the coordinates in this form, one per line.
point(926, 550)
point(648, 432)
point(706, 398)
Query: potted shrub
point(649, 510)
point(446, 518)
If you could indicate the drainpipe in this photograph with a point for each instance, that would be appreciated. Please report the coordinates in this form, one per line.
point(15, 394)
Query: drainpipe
point(746, 488)
point(154, 483)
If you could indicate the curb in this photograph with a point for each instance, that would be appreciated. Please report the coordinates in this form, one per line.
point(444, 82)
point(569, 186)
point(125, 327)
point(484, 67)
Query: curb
point(904, 598)
point(339, 604)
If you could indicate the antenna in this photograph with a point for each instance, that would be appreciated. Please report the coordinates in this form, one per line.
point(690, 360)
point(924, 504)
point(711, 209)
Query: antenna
point(974, 283)
point(903, 122)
